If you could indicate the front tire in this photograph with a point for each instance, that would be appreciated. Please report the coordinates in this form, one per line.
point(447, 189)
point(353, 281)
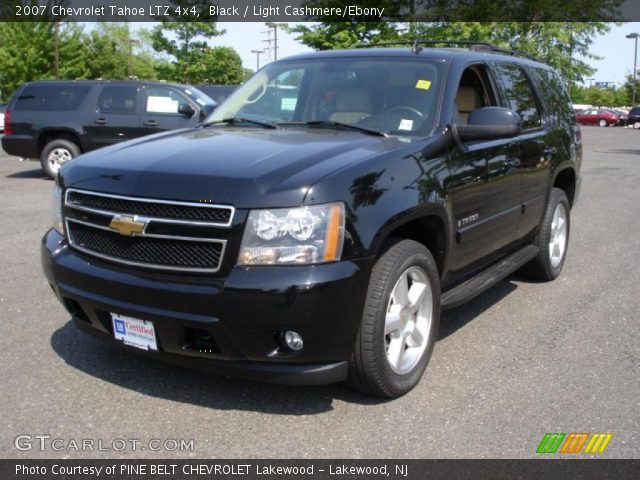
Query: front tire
point(552, 239)
point(55, 154)
point(400, 322)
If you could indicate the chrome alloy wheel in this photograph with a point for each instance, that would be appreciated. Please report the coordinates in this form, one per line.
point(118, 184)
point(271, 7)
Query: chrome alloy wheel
point(558, 235)
point(408, 320)
point(58, 157)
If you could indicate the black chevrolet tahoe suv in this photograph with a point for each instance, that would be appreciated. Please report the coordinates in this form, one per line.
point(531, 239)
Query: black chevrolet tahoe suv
point(314, 226)
point(55, 121)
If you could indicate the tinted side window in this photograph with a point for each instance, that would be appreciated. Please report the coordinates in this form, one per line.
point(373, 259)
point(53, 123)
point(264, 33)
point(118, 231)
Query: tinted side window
point(117, 99)
point(51, 97)
point(518, 94)
point(555, 95)
point(163, 100)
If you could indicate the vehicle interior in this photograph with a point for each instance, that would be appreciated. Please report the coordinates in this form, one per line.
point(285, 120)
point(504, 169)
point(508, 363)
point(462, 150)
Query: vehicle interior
point(474, 92)
point(396, 97)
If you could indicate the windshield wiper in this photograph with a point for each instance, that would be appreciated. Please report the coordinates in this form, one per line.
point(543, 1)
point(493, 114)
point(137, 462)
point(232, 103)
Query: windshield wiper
point(239, 120)
point(344, 126)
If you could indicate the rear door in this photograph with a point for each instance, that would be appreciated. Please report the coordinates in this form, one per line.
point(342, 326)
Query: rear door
point(115, 117)
point(533, 147)
point(160, 110)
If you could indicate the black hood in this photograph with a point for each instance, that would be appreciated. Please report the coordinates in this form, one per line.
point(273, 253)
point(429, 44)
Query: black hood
point(244, 167)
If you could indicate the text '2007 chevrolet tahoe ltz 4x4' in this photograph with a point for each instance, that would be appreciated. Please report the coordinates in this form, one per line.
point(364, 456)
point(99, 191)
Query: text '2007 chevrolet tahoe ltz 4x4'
point(314, 226)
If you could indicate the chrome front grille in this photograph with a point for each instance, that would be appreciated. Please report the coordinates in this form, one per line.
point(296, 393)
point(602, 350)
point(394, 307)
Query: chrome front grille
point(189, 240)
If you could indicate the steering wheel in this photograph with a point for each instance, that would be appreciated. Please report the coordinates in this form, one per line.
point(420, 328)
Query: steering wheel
point(406, 108)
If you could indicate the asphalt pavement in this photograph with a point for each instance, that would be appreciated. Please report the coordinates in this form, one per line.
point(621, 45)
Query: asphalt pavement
point(522, 360)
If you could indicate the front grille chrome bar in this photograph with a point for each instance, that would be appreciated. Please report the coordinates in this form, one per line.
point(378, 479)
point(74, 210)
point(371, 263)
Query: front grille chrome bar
point(155, 218)
point(177, 251)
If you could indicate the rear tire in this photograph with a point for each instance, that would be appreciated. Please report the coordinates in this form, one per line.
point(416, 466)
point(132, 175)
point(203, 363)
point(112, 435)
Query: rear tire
point(399, 324)
point(552, 239)
point(55, 154)
point(602, 123)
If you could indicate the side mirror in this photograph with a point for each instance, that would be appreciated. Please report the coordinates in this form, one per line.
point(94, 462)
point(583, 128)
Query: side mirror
point(186, 110)
point(206, 110)
point(490, 123)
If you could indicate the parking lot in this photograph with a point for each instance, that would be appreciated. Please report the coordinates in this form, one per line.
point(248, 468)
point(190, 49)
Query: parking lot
point(521, 360)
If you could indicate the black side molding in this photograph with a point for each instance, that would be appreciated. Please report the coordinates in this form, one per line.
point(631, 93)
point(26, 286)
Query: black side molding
point(478, 284)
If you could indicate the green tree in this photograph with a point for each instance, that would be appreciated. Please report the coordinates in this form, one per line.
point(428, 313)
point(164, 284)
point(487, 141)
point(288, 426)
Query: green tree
point(185, 43)
point(218, 65)
point(73, 52)
point(114, 53)
point(27, 52)
point(601, 97)
point(621, 98)
point(246, 74)
point(560, 44)
point(627, 88)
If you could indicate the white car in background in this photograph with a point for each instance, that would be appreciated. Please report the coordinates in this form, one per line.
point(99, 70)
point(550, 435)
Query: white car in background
point(3, 107)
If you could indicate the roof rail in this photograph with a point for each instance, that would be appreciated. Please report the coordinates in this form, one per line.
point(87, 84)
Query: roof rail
point(418, 45)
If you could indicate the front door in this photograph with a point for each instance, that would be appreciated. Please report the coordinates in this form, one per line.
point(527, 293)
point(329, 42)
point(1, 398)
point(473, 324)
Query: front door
point(485, 181)
point(161, 110)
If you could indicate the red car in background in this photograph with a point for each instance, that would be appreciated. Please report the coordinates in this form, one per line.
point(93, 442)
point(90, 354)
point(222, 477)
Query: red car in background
point(598, 116)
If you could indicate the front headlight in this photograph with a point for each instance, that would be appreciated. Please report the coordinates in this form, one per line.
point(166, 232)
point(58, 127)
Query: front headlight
point(293, 235)
point(56, 210)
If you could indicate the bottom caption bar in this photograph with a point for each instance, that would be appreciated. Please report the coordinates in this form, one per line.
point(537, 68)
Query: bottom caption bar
point(317, 469)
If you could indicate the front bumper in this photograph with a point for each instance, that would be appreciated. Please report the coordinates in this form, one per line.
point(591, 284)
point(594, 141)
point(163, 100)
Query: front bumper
point(229, 325)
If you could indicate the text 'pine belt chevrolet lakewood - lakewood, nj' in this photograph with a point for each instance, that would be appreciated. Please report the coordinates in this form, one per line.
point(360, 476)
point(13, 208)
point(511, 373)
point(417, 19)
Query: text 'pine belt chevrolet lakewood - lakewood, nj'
point(314, 226)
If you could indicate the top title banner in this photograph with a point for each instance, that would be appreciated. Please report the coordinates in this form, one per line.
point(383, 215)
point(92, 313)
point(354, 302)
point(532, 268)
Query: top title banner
point(318, 10)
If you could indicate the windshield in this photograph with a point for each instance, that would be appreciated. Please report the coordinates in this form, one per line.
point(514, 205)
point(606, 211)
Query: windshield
point(198, 96)
point(397, 97)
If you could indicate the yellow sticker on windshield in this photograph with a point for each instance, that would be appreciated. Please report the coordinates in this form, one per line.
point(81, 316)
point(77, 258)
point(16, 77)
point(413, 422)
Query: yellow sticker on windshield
point(423, 84)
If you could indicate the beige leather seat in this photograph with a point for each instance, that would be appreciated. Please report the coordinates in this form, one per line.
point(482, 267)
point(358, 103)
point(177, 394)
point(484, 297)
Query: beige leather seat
point(352, 105)
point(467, 100)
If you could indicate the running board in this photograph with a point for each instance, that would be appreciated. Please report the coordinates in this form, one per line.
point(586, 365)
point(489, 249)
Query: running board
point(478, 284)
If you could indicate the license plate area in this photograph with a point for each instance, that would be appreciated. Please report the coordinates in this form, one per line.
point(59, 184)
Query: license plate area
point(134, 332)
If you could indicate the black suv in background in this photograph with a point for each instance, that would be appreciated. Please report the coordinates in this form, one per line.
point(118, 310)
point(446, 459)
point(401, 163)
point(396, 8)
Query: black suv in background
point(313, 227)
point(55, 121)
point(633, 118)
point(218, 93)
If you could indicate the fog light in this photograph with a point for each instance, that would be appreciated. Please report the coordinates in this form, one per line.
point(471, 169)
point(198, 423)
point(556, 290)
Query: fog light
point(293, 340)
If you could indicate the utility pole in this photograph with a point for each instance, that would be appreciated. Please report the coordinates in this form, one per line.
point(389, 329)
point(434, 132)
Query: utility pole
point(132, 72)
point(56, 43)
point(257, 52)
point(273, 27)
point(635, 67)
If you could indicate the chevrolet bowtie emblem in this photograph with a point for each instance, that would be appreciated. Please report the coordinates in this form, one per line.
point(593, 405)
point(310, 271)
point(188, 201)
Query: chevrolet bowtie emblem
point(126, 225)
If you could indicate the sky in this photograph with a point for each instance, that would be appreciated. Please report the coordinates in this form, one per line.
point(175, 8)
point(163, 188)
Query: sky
point(616, 50)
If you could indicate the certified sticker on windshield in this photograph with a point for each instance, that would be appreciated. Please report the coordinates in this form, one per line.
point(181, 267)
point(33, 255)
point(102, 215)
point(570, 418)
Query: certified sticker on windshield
point(423, 84)
point(405, 124)
point(288, 104)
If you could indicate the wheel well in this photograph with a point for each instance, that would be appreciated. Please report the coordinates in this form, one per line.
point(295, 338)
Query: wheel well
point(566, 180)
point(430, 232)
point(46, 137)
